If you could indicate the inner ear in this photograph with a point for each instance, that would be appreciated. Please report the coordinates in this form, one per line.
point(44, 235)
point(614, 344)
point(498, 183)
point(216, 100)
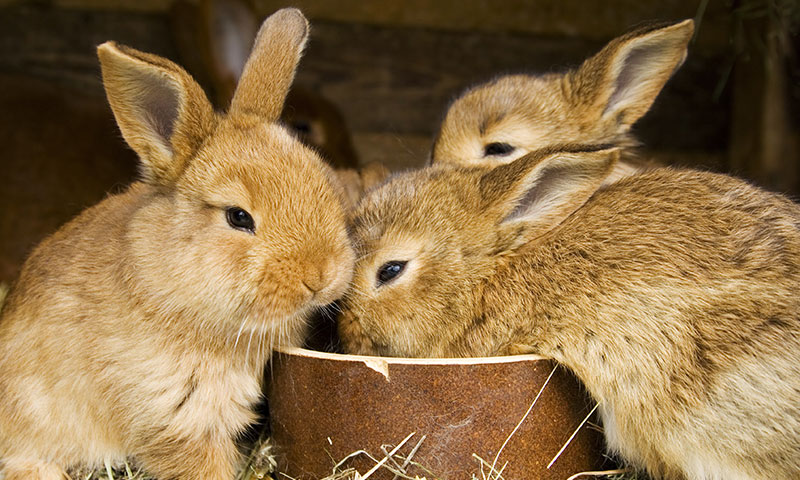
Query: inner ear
point(626, 76)
point(553, 183)
point(639, 64)
point(161, 111)
point(531, 196)
point(160, 104)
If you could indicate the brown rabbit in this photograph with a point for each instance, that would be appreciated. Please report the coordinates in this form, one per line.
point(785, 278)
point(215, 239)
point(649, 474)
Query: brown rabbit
point(599, 102)
point(141, 328)
point(671, 294)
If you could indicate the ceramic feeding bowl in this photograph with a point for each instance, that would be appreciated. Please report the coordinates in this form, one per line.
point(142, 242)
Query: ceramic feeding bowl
point(328, 407)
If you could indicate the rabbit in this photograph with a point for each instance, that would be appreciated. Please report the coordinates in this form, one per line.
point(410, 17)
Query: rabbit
point(597, 103)
point(141, 328)
point(672, 295)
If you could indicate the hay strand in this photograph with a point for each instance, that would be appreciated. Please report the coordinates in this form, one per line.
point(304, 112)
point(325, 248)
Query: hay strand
point(569, 440)
point(386, 458)
point(494, 463)
point(407, 460)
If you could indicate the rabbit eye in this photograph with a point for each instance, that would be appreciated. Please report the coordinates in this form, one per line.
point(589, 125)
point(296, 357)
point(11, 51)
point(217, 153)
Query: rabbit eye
point(301, 127)
point(389, 271)
point(497, 149)
point(240, 219)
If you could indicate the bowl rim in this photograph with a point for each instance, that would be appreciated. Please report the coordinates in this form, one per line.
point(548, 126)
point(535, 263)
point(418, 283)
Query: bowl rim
point(373, 360)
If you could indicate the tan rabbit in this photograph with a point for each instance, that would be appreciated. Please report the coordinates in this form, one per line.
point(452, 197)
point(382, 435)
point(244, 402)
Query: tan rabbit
point(671, 294)
point(598, 103)
point(141, 328)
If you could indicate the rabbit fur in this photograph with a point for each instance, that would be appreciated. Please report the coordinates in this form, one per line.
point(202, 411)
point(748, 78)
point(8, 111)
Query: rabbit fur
point(672, 295)
point(597, 103)
point(141, 328)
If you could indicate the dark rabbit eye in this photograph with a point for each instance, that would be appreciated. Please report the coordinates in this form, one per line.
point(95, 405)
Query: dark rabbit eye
point(240, 219)
point(497, 149)
point(389, 271)
point(301, 127)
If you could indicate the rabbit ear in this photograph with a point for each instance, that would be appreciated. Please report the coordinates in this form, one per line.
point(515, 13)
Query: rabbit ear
point(270, 70)
point(162, 113)
point(628, 74)
point(228, 28)
point(532, 195)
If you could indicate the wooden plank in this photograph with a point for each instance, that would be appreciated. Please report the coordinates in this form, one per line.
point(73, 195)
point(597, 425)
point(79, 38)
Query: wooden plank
point(384, 79)
point(61, 45)
point(596, 20)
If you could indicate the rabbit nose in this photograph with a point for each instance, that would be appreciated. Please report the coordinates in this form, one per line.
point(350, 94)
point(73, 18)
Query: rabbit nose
point(327, 281)
point(315, 280)
point(320, 276)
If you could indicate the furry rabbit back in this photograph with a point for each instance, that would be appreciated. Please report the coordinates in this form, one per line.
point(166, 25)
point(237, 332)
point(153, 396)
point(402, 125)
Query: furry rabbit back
point(672, 295)
point(141, 328)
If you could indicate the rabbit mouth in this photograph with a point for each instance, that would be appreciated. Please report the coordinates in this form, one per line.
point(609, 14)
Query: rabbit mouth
point(316, 298)
point(271, 332)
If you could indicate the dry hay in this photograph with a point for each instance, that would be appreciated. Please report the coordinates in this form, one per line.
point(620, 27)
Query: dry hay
point(261, 465)
point(397, 464)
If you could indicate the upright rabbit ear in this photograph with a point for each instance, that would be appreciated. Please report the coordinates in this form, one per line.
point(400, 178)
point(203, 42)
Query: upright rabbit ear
point(163, 114)
point(626, 76)
point(270, 70)
point(532, 195)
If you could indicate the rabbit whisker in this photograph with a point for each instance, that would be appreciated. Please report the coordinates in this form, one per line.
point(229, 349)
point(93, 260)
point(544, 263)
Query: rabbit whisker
point(335, 307)
point(361, 257)
point(239, 333)
point(247, 355)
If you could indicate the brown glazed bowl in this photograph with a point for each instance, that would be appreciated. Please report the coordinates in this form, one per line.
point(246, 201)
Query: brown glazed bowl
point(324, 407)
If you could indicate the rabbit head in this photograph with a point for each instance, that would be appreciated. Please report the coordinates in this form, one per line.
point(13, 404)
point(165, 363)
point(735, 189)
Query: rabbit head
point(427, 241)
point(597, 103)
point(243, 211)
